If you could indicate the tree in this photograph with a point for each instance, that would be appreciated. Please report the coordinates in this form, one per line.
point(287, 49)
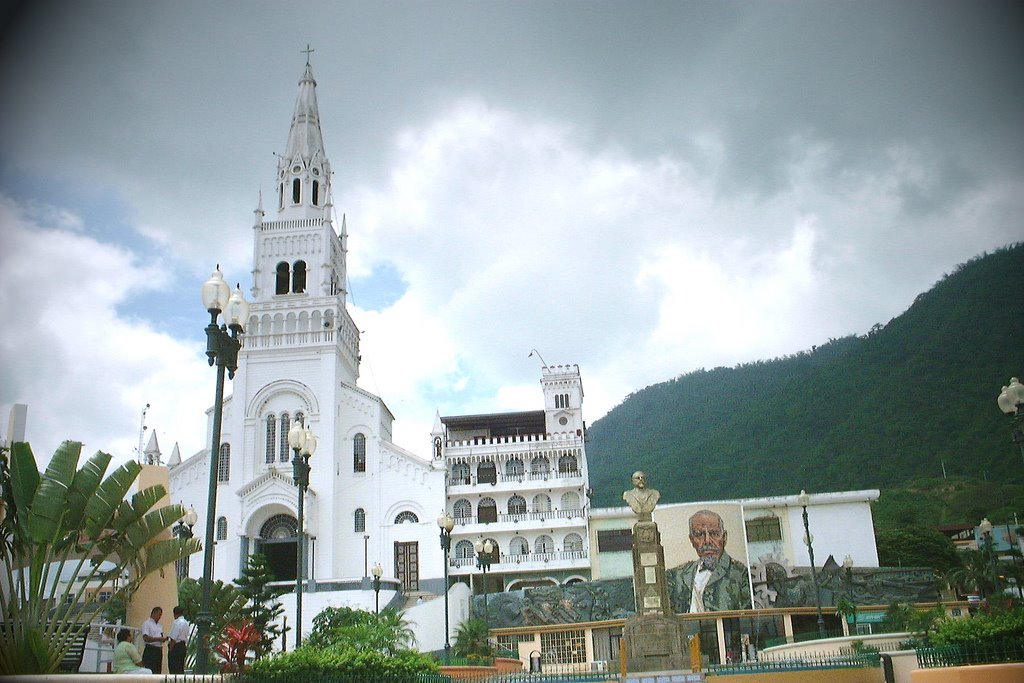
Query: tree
point(916, 546)
point(976, 573)
point(345, 628)
point(65, 531)
point(226, 604)
point(262, 606)
point(472, 639)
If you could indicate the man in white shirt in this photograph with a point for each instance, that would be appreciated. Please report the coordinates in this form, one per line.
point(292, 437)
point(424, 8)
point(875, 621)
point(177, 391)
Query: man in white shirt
point(177, 641)
point(153, 636)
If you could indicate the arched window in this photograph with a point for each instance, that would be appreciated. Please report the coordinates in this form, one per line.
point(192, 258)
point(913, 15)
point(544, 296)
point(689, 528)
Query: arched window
point(573, 543)
point(359, 524)
point(516, 505)
point(222, 528)
point(271, 441)
point(283, 277)
point(406, 516)
point(299, 277)
point(359, 453)
point(282, 437)
point(567, 464)
point(464, 550)
point(300, 417)
point(487, 511)
point(541, 503)
point(316, 193)
point(224, 464)
point(279, 528)
point(460, 473)
point(296, 190)
point(486, 473)
point(540, 466)
point(462, 509)
point(544, 544)
point(514, 469)
point(570, 500)
point(518, 546)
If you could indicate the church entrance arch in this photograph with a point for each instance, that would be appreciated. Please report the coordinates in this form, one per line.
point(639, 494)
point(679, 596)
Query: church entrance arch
point(278, 542)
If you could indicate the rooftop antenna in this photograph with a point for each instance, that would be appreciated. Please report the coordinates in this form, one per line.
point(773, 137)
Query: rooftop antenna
point(535, 351)
point(142, 433)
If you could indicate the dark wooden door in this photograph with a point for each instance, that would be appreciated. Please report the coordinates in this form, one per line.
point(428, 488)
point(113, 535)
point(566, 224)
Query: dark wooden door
point(407, 564)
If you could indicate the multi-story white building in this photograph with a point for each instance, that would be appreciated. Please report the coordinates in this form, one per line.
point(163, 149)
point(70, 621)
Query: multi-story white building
point(519, 480)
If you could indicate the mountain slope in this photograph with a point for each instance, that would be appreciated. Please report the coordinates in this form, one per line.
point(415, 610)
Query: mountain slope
point(857, 412)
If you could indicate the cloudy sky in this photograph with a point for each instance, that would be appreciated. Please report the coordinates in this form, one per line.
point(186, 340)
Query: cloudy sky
point(642, 188)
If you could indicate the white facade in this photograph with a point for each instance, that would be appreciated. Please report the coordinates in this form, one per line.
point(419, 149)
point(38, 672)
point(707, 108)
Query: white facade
point(368, 500)
point(520, 481)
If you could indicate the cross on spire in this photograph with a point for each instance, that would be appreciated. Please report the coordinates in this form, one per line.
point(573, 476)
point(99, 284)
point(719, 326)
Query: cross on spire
point(307, 51)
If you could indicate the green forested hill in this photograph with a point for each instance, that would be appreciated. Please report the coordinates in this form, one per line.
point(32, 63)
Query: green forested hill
point(870, 411)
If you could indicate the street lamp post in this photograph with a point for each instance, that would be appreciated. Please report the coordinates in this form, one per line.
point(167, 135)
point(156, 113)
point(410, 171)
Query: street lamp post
point(377, 571)
point(804, 500)
point(302, 441)
point(222, 347)
point(985, 527)
point(446, 523)
point(183, 531)
point(1011, 402)
point(483, 561)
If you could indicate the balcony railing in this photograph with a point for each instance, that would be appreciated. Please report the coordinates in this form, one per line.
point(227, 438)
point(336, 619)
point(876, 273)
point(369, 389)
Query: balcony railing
point(514, 559)
point(521, 517)
point(473, 480)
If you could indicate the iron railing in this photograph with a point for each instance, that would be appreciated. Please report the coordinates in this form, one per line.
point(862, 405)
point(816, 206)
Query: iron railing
point(805, 662)
point(961, 655)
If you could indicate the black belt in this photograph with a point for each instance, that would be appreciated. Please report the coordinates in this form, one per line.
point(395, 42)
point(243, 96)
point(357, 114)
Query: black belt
point(156, 646)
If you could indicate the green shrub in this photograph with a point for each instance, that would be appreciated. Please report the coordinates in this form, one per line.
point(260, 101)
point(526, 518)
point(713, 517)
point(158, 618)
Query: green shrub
point(313, 663)
point(981, 630)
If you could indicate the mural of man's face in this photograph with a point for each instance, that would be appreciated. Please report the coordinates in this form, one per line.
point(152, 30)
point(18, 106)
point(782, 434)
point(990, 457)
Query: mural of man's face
point(708, 538)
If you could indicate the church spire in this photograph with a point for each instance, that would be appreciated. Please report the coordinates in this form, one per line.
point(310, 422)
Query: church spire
point(303, 170)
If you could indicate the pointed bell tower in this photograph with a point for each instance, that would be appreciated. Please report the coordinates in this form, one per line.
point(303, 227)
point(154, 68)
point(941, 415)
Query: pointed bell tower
point(299, 258)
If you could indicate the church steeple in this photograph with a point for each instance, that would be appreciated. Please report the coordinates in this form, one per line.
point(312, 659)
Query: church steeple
point(304, 173)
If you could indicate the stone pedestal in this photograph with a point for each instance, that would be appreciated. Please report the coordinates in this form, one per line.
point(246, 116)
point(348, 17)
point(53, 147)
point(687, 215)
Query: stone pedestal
point(656, 639)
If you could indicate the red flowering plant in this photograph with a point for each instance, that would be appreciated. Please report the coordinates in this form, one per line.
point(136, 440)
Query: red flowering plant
point(238, 642)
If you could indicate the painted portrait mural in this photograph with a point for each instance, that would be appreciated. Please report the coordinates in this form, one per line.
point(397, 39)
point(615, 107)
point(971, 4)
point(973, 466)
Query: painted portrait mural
point(705, 557)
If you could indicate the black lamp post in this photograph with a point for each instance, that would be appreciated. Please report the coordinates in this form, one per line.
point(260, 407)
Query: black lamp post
point(985, 527)
point(183, 531)
point(1011, 402)
point(222, 346)
point(446, 523)
point(804, 500)
point(302, 441)
point(377, 571)
point(483, 561)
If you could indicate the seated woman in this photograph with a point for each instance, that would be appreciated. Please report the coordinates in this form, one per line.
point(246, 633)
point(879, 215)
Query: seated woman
point(126, 657)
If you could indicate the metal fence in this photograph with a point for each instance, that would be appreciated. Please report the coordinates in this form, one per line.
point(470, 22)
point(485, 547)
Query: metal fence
point(356, 677)
point(805, 662)
point(959, 655)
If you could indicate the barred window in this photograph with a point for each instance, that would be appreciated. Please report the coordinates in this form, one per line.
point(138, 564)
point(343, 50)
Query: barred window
point(544, 544)
point(567, 465)
point(222, 529)
point(464, 550)
point(406, 516)
point(542, 503)
point(460, 473)
point(271, 441)
point(462, 509)
point(514, 468)
point(224, 464)
point(764, 529)
point(570, 500)
point(573, 543)
point(487, 511)
point(359, 453)
point(486, 473)
point(360, 520)
point(518, 546)
point(516, 505)
point(564, 647)
point(540, 465)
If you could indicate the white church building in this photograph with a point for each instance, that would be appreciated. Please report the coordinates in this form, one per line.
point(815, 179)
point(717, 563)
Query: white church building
point(369, 500)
